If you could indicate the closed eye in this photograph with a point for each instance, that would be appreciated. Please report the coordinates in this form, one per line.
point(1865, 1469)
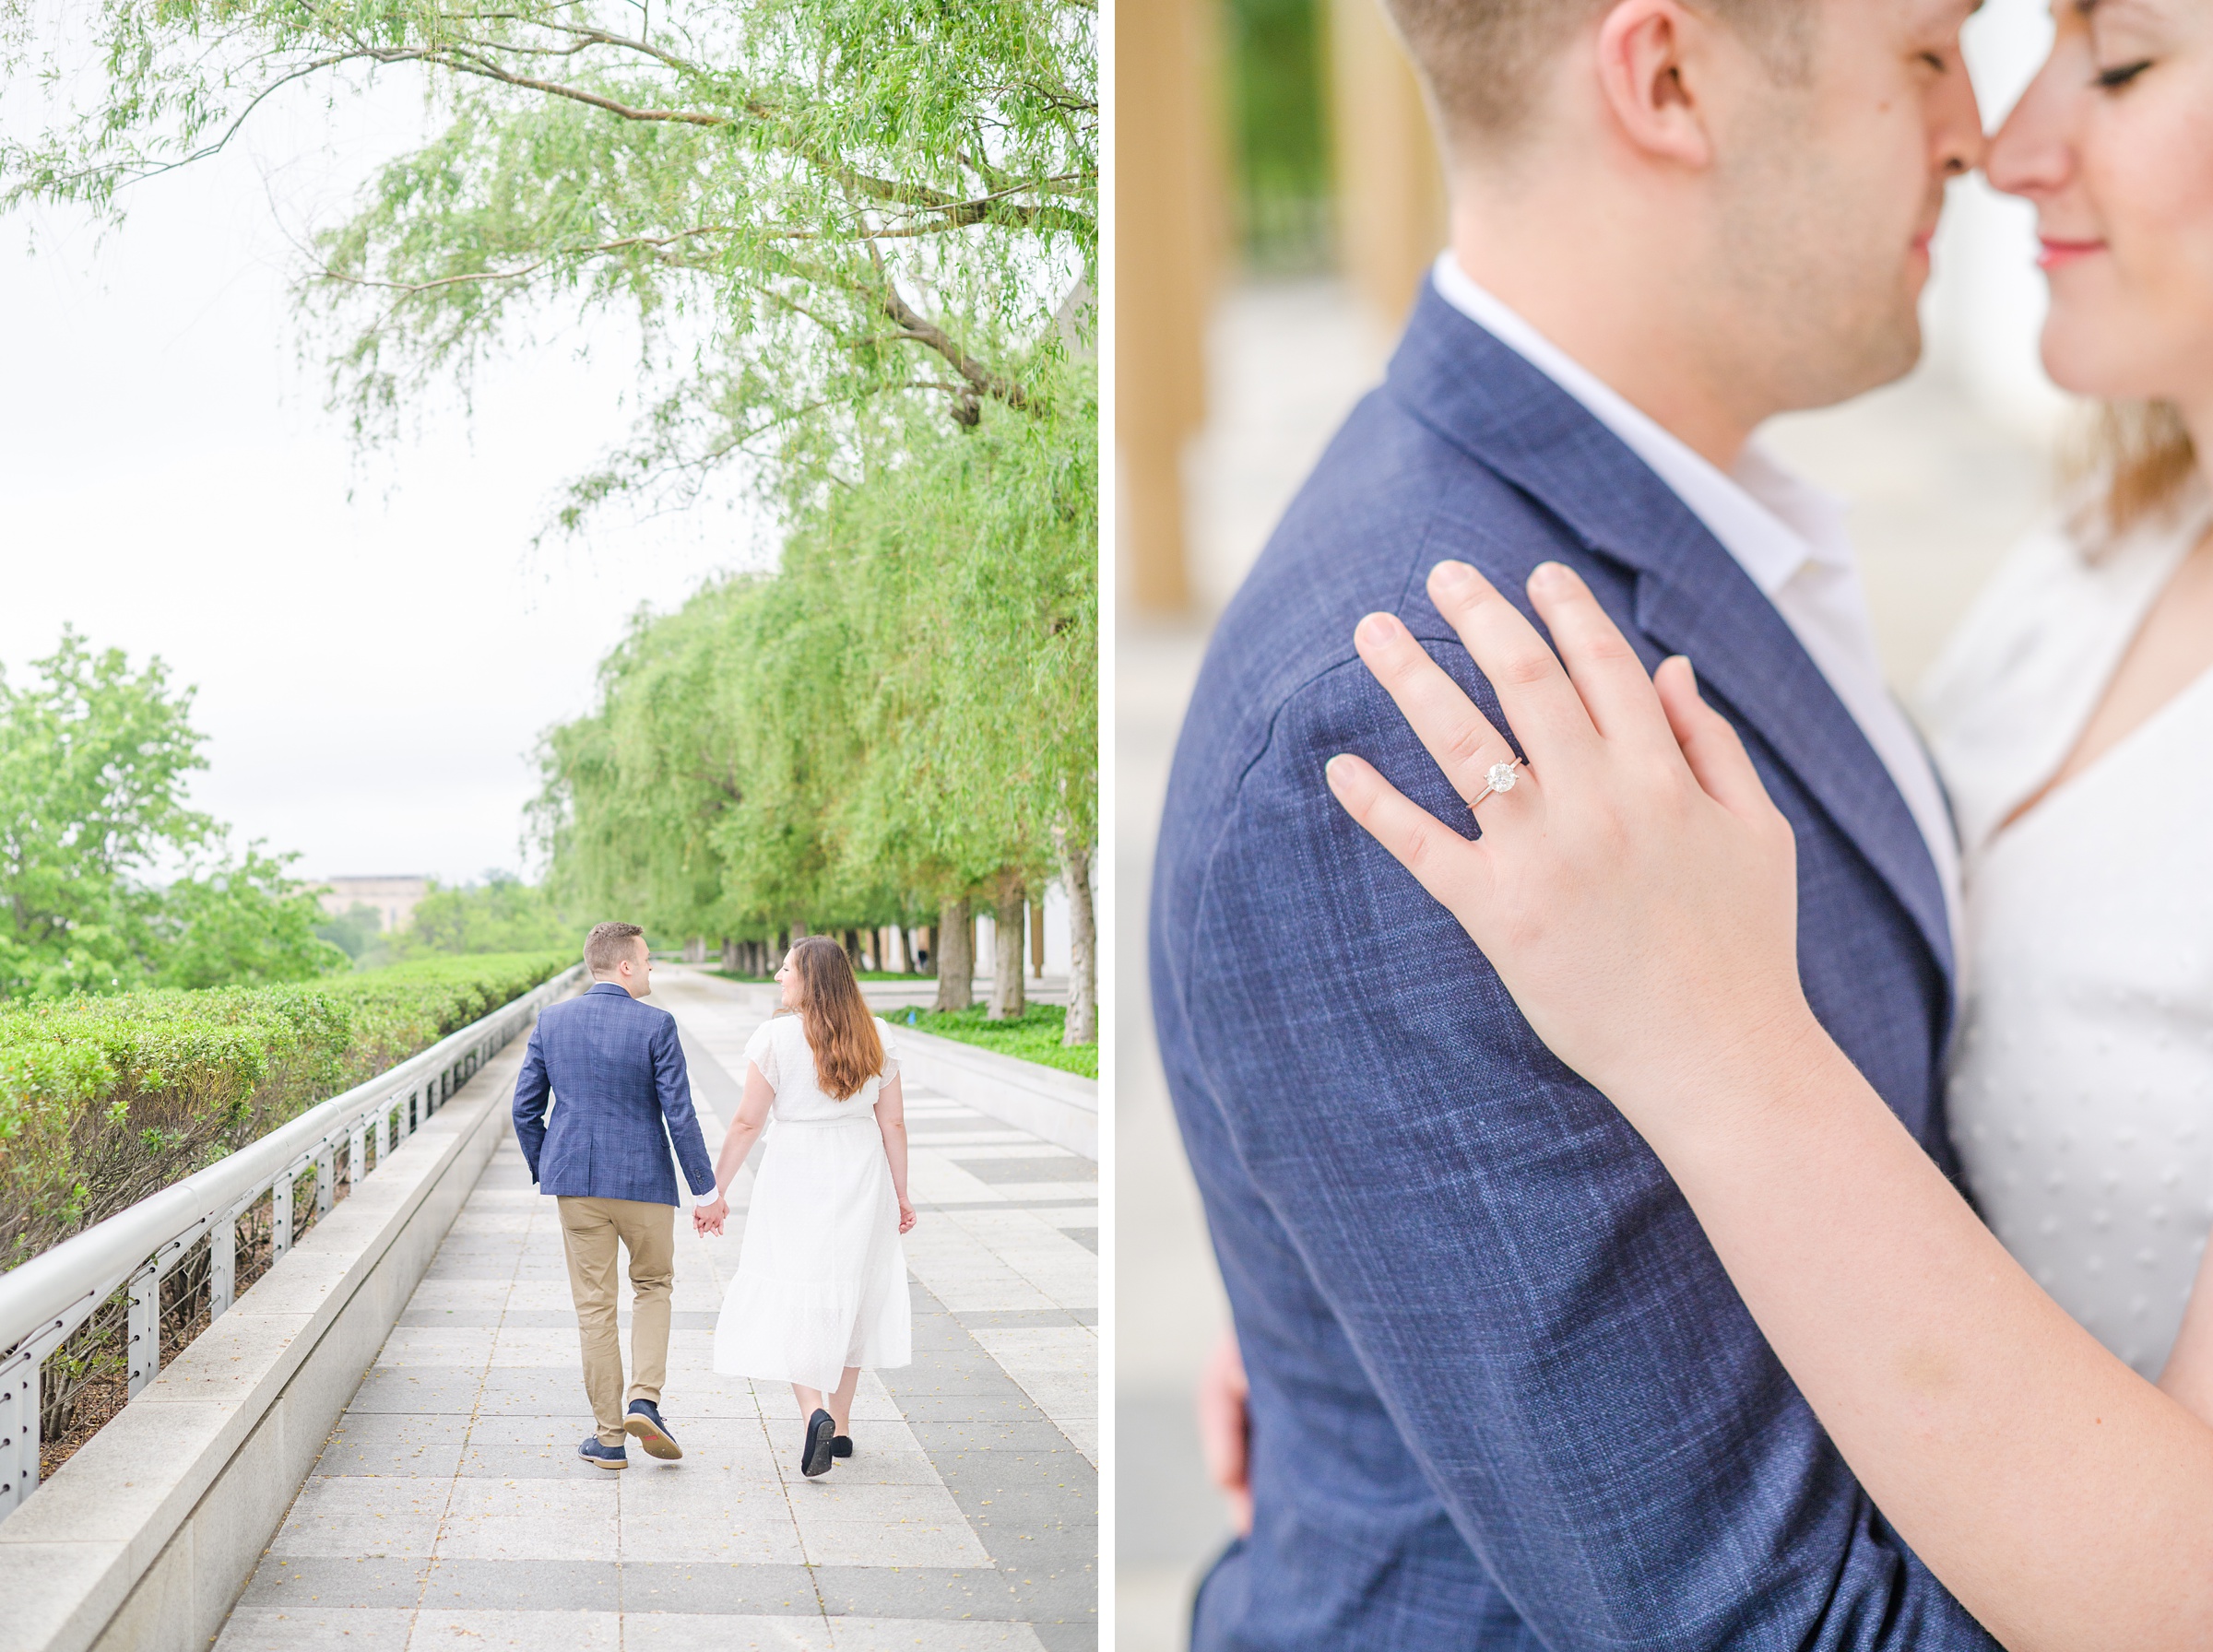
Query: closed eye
point(2114, 79)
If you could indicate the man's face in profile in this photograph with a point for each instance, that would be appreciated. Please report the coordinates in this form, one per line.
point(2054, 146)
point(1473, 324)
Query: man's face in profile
point(1832, 180)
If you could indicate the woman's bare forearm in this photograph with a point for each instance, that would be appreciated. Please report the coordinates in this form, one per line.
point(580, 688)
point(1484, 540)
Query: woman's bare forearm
point(2067, 1502)
point(737, 1141)
point(894, 1149)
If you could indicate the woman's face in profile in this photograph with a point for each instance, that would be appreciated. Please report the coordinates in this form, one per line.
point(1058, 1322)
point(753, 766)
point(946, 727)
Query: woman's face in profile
point(788, 979)
point(2113, 143)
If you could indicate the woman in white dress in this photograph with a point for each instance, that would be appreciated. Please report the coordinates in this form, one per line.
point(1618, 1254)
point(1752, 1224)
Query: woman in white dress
point(820, 1289)
point(2048, 1452)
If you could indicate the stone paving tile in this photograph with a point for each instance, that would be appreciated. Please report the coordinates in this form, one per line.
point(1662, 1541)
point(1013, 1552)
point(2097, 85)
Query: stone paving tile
point(344, 1629)
point(395, 1443)
point(694, 1631)
point(448, 1509)
point(477, 1631)
point(371, 1517)
point(306, 1583)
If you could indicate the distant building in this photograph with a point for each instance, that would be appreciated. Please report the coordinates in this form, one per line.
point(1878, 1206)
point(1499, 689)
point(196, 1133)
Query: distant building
point(394, 898)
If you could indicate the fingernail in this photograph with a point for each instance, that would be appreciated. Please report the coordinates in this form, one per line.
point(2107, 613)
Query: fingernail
point(1377, 630)
point(1547, 576)
point(1453, 577)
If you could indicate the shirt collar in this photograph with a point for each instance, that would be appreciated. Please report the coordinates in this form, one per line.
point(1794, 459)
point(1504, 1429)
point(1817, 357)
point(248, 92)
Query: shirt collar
point(1772, 521)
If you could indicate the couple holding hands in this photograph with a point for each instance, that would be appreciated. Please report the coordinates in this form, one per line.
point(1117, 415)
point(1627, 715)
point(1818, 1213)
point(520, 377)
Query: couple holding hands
point(820, 1288)
point(1699, 1168)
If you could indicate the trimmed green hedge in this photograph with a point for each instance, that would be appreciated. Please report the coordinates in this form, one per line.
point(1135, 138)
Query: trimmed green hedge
point(1035, 1037)
point(104, 1100)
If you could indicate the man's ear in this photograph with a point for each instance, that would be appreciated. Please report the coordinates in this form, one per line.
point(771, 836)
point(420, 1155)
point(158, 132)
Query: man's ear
point(1645, 52)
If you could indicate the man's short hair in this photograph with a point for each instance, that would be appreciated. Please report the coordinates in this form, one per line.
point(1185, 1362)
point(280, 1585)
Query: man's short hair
point(1483, 62)
point(608, 944)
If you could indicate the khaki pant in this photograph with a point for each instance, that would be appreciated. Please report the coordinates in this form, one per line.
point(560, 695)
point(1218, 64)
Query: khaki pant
point(589, 1230)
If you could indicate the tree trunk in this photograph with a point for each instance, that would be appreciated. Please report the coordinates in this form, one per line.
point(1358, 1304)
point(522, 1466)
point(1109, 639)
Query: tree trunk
point(928, 954)
point(956, 956)
point(1082, 943)
point(1037, 938)
point(729, 956)
point(1006, 949)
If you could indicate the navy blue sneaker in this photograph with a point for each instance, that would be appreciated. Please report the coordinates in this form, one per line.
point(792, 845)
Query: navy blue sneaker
point(645, 1421)
point(814, 1452)
point(602, 1457)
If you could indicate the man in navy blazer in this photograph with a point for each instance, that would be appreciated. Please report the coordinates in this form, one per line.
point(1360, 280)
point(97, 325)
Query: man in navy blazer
point(612, 1067)
point(1501, 1393)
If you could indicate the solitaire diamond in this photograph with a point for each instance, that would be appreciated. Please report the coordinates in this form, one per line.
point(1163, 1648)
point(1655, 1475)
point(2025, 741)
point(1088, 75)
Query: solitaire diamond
point(1501, 777)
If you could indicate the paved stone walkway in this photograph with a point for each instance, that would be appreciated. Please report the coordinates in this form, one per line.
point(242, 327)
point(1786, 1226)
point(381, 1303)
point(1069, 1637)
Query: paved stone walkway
point(449, 1510)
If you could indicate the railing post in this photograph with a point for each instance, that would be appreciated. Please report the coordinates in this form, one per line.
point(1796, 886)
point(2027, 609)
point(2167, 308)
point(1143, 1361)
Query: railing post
point(280, 1216)
point(223, 1266)
point(327, 1179)
point(357, 1153)
point(144, 1325)
point(20, 1431)
point(384, 1131)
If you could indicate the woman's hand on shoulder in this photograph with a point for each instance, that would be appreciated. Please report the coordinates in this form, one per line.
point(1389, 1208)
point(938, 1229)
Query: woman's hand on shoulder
point(1636, 888)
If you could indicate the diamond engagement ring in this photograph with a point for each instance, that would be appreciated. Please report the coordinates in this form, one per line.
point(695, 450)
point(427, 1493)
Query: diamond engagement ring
point(1501, 778)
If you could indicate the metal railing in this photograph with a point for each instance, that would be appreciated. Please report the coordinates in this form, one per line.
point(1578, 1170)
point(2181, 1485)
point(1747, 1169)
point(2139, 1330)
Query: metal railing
point(46, 1299)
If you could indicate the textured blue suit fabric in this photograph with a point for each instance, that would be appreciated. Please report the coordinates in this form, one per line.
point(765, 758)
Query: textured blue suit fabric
point(1503, 1394)
point(614, 1068)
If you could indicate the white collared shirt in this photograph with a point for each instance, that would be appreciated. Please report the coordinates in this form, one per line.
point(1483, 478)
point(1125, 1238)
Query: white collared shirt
point(1785, 533)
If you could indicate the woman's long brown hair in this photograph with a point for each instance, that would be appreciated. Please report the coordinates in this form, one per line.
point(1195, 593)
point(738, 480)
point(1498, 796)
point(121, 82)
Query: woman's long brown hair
point(840, 1031)
point(2144, 451)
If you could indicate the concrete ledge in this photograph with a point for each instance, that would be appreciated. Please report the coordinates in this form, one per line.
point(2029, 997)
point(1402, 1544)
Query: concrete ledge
point(1062, 1108)
point(144, 1538)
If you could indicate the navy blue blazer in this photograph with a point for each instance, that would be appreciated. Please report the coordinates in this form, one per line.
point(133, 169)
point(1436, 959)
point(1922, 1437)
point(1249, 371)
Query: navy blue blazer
point(616, 1069)
point(1503, 1394)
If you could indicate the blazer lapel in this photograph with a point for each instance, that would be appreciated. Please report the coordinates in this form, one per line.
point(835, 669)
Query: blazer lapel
point(1692, 596)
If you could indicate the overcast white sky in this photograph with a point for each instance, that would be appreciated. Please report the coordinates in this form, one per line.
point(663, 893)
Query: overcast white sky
point(373, 670)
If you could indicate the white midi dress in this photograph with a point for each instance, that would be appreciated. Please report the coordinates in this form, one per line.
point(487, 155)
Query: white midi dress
point(821, 1276)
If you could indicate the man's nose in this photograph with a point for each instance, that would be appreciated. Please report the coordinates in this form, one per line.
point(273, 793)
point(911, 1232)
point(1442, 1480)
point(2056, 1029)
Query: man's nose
point(1961, 144)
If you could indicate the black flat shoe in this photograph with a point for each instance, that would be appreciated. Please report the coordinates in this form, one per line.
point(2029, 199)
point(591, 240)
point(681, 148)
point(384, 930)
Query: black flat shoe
point(814, 1452)
point(842, 1445)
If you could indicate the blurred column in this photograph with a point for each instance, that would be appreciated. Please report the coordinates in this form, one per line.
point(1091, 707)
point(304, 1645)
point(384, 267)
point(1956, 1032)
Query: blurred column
point(1169, 229)
point(1391, 189)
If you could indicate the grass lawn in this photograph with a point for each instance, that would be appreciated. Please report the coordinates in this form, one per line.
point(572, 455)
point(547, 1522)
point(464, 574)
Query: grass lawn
point(1035, 1037)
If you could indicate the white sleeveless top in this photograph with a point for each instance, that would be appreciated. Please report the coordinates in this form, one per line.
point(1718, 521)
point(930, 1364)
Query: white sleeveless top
point(2081, 1096)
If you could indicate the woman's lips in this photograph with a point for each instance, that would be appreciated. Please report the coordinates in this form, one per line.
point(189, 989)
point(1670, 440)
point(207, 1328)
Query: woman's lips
point(2055, 253)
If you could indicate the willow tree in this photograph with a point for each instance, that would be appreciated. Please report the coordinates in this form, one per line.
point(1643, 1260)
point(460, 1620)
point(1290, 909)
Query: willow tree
point(904, 716)
point(810, 206)
point(835, 223)
point(972, 562)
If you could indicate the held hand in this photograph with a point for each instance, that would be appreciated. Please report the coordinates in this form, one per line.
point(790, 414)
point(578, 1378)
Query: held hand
point(708, 1219)
point(1636, 889)
point(1224, 1429)
point(907, 1217)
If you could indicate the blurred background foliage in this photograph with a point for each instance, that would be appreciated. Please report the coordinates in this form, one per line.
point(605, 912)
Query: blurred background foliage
point(1277, 105)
